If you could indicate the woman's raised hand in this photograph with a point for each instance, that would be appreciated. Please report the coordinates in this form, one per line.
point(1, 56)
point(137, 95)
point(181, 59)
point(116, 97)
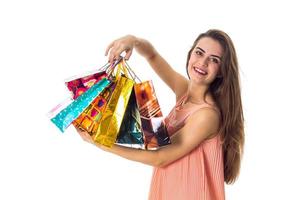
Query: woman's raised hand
point(123, 44)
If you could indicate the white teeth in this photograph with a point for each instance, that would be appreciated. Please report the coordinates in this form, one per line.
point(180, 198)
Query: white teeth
point(200, 71)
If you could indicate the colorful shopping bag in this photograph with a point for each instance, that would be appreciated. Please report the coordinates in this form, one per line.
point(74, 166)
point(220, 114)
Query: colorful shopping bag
point(90, 118)
point(63, 115)
point(131, 131)
point(66, 116)
point(155, 132)
point(112, 117)
point(103, 117)
point(78, 85)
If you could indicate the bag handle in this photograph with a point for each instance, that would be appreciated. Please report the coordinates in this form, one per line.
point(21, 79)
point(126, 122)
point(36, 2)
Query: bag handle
point(117, 68)
point(130, 71)
point(123, 66)
point(110, 67)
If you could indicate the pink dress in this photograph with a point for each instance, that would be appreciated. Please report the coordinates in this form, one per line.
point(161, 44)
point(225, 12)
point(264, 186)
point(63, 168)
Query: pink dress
point(198, 175)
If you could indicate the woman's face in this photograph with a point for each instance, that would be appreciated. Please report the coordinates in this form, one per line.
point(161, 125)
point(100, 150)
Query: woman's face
point(205, 61)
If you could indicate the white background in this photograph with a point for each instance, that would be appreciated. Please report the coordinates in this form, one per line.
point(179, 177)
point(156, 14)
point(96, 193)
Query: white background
point(44, 42)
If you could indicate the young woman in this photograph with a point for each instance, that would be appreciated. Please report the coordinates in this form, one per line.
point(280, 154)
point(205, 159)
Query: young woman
point(206, 125)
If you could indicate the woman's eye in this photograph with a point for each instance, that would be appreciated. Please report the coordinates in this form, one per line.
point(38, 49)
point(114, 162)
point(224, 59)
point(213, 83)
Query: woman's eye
point(199, 53)
point(214, 60)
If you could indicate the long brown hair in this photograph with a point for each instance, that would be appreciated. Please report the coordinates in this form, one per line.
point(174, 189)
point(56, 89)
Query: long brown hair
point(227, 95)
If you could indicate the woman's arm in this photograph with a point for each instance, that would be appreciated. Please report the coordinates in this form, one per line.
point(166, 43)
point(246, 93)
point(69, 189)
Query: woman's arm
point(199, 126)
point(177, 83)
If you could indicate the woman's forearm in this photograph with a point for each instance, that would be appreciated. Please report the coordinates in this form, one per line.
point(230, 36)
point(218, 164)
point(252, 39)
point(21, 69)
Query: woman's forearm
point(138, 155)
point(160, 66)
point(144, 48)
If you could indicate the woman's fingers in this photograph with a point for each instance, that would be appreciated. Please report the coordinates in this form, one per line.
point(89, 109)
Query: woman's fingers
point(111, 51)
point(115, 53)
point(128, 54)
point(108, 48)
point(117, 47)
point(111, 56)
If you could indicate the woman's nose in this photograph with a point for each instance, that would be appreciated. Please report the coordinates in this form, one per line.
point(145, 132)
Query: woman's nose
point(203, 62)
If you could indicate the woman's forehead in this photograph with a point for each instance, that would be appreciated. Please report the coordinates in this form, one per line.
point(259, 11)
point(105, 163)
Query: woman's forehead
point(210, 46)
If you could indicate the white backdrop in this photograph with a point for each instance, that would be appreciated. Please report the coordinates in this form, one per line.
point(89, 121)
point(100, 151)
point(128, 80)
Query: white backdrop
point(44, 42)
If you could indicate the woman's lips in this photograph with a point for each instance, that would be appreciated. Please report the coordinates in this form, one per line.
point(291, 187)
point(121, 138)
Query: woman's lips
point(200, 71)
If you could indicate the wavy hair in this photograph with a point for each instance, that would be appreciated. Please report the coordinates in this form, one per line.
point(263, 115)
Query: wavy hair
point(226, 92)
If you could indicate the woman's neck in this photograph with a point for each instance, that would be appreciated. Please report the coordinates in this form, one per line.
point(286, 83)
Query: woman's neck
point(197, 94)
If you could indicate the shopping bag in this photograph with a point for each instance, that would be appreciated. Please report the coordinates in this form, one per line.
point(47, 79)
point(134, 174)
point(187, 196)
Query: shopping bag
point(63, 115)
point(154, 129)
point(79, 84)
point(130, 133)
point(90, 118)
point(111, 121)
point(66, 116)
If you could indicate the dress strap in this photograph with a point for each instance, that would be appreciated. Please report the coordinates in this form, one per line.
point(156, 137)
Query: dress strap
point(214, 107)
point(179, 102)
point(201, 106)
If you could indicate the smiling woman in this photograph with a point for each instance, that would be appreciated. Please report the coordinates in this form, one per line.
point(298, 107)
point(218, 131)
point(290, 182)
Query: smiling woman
point(206, 124)
point(205, 61)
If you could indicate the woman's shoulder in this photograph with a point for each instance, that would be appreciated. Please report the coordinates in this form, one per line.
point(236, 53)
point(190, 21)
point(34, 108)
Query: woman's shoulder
point(206, 118)
point(210, 106)
point(205, 109)
point(208, 111)
point(205, 112)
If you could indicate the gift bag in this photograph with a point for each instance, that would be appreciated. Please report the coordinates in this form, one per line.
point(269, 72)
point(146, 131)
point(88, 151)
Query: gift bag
point(63, 114)
point(155, 132)
point(66, 116)
point(153, 127)
point(130, 133)
point(78, 85)
point(90, 118)
point(113, 115)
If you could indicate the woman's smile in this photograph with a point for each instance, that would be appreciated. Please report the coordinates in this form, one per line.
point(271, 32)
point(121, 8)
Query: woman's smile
point(200, 71)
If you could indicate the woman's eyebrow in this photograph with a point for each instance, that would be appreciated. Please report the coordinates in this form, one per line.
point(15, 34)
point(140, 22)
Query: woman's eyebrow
point(205, 52)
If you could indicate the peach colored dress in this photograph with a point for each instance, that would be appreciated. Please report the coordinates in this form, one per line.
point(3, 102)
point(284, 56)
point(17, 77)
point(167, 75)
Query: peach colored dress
point(198, 175)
